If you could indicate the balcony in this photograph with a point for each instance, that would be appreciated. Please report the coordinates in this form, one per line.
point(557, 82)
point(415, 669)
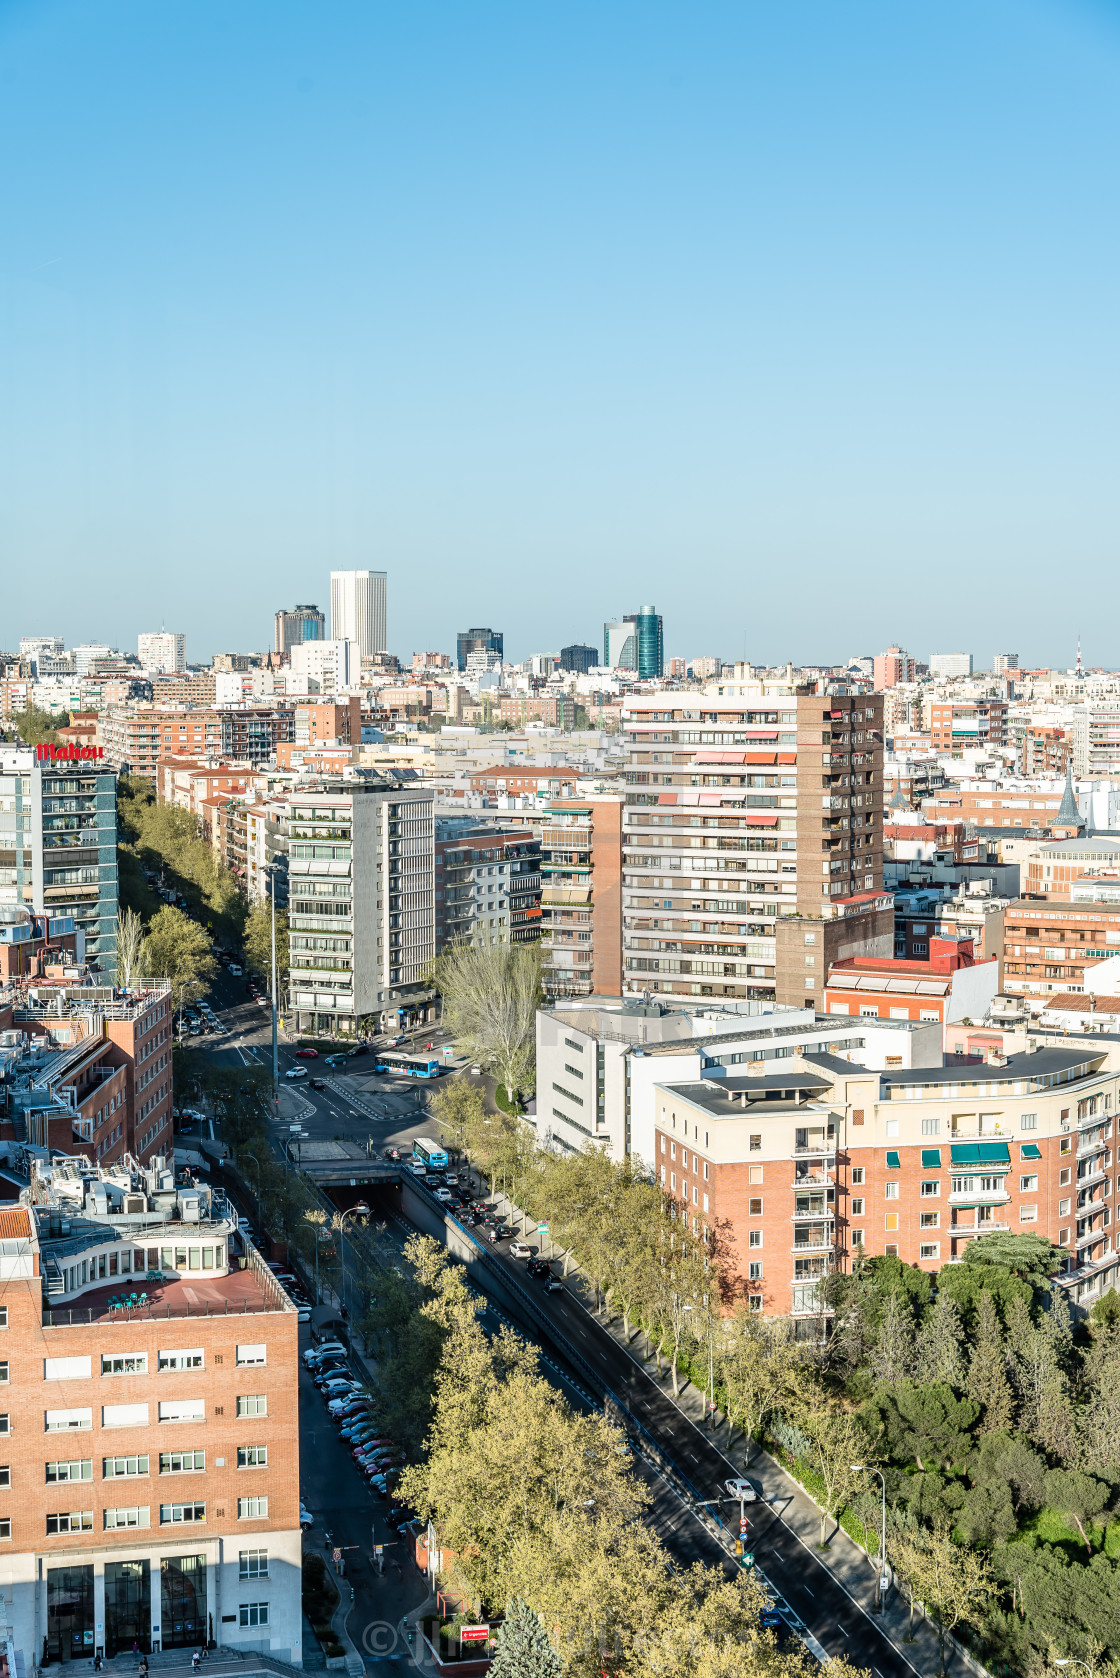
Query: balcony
point(1095, 1174)
point(822, 1242)
point(806, 1177)
point(980, 1197)
point(812, 1214)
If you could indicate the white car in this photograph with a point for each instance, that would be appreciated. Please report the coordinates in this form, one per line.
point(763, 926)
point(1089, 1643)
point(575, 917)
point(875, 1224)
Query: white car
point(306, 1518)
point(518, 1249)
point(741, 1490)
point(443, 1194)
point(296, 1072)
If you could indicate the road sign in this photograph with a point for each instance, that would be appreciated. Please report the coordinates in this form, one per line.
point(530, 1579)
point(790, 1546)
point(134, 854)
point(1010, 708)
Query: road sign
point(748, 1559)
point(473, 1634)
point(336, 1556)
point(742, 1526)
point(884, 1581)
point(542, 1229)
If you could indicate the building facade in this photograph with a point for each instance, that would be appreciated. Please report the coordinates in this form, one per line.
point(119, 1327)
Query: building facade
point(488, 884)
point(163, 653)
point(150, 1490)
point(360, 610)
point(957, 724)
point(302, 623)
point(468, 641)
point(753, 840)
point(581, 896)
point(361, 884)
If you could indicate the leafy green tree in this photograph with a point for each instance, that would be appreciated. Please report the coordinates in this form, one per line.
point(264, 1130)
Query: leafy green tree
point(928, 1424)
point(460, 1112)
point(836, 1441)
point(176, 948)
point(256, 941)
point(1002, 1459)
point(1030, 1257)
point(892, 1357)
point(490, 999)
point(987, 1514)
point(522, 1648)
point(987, 1381)
point(939, 1348)
point(36, 727)
point(1077, 1496)
point(953, 1582)
point(130, 948)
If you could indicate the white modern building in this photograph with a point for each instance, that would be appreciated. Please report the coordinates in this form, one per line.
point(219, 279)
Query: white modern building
point(335, 665)
point(948, 665)
point(359, 609)
point(163, 653)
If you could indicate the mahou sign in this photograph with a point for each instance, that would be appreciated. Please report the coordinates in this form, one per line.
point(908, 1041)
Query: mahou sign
point(68, 754)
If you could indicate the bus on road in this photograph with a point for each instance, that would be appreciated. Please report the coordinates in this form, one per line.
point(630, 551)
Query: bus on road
point(407, 1066)
point(431, 1157)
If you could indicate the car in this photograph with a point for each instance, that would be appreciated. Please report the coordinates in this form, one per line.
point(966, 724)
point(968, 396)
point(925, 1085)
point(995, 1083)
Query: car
point(360, 1050)
point(307, 1054)
point(335, 1060)
point(418, 1169)
point(391, 1153)
point(296, 1072)
point(496, 1234)
point(325, 1347)
point(235, 969)
point(538, 1267)
point(398, 1041)
point(771, 1619)
point(398, 1515)
point(306, 1518)
point(554, 1285)
point(741, 1490)
point(444, 1195)
point(303, 1314)
point(518, 1249)
point(317, 1084)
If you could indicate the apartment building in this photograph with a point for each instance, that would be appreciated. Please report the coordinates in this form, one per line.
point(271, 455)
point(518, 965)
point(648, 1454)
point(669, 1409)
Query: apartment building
point(946, 984)
point(361, 882)
point(753, 840)
point(252, 733)
point(957, 724)
point(136, 737)
point(162, 653)
point(88, 1069)
point(36, 947)
point(1096, 738)
point(1055, 864)
point(891, 668)
point(795, 1169)
point(58, 846)
point(1046, 751)
point(189, 783)
point(302, 623)
point(1049, 943)
point(194, 1533)
point(487, 884)
point(337, 723)
point(581, 896)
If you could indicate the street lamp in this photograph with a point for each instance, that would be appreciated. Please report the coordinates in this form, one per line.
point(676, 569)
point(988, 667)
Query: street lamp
point(361, 1210)
point(1073, 1661)
point(884, 1576)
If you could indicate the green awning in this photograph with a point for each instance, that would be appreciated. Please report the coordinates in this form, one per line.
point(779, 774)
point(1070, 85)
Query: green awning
point(892, 1161)
point(931, 1159)
point(1031, 1150)
point(981, 1153)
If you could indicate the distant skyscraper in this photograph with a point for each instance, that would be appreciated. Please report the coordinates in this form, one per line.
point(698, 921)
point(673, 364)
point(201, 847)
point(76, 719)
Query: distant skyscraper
point(478, 641)
point(635, 642)
point(164, 654)
point(579, 658)
point(947, 665)
point(359, 610)
point(1002, 662)
point(302, 623)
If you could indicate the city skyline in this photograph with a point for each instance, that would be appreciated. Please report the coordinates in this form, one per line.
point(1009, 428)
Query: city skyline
point(822, 311)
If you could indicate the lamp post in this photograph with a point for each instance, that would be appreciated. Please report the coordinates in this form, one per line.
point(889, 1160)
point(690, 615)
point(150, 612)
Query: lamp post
point(361, 1210)
point(884, 1576)
point(1072, 1660)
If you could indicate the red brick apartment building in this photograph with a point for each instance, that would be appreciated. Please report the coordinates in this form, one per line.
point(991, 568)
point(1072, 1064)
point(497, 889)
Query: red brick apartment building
point(957, 724)
point(88, 1072)
point(149, 1463)
point(793, 1169)
point(1047, 944)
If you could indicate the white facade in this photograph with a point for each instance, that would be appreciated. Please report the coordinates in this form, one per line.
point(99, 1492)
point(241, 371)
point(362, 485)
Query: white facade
point(162, 654)
point(359, 609)
point(335, 665)
point(942, 665)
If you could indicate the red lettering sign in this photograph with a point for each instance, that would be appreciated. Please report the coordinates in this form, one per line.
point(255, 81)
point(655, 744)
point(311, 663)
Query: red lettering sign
point(473, 1634)
point(49, 753)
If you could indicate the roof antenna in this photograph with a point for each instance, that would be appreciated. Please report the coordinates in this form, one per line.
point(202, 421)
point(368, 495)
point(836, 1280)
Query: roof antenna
point(1079, 671)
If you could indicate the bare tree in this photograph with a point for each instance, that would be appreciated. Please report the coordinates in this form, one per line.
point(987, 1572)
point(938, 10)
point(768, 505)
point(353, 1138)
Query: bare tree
point(490, 1000)
point(130, 946)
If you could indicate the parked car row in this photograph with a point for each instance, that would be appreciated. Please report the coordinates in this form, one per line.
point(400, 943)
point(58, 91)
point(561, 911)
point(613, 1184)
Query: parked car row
point(294, 1290)
point(352, 1409)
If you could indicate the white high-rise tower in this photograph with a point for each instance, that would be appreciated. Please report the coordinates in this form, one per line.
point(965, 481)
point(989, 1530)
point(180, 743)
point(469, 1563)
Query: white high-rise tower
point(359, 610)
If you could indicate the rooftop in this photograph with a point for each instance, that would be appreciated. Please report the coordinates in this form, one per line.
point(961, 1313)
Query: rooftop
point(241, 1292)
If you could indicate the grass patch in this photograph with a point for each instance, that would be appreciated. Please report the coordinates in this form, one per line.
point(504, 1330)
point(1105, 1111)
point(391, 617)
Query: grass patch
point(502, 1100)
point(1049, 1527)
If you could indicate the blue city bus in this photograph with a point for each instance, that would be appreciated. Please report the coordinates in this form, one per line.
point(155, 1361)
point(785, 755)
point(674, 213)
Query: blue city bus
point(429, 1155)
point(408, 1066)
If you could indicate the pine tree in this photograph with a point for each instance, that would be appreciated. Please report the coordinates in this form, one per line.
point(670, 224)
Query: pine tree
point(987, 1372)
point(893, 1356)
point(522, 1648)
point(1057, 1328)
point(939, 1354)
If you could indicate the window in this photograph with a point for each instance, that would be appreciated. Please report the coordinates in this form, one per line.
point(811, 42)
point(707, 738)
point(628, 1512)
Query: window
point(253, 1614)
point(253, 1564)
point(857, 1238)
point(61, 1421)
point(1028, 1121)
point(754, 1238)
point(120, 1468)
point(190, 1359)
point(76, 1521)
point(755, 1302)
point(891, 1191)
point(136, 1364)
point(1063, 1208)
point(754, 1207)
point(58, 1473)
point(171, 1514)
point(930, 1220)
point(857, 1174)
point(857, 1207)
point(252, 1456)
point(1065, 1146)
point(182, 1462)
point(857, 1115)
point(115, 1518)
point(3, 1316)
point(252, 1509)
point(5, 1424)
point(252, 1404)
point(890, 1250)
point(124, 1415)
point(890, 1220)
point(182, 1410)
point(1028, 1214)
point(5, 1529)
point(1063, 1177)
point(929, 1250)
point(1028, 1185)
point(931, 1127)
point(754, 1270)
point(756, 1144)
point(5, 1477)
point(67, 1369)
point(754, 1173)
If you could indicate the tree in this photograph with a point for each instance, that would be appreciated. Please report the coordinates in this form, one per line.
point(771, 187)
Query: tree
point(256, 941)
point(987, 1374)
point(1077, 1496)
point(927, 1423)
point(954, 1583)
point(938, 1349)
point(836, 1442)
point(521, 1648)
point(130, 946)
point(459, 1110)
point(490, 999)
point(893, 1354)
point(1030, 1257)
point(36, 727)
point(176, 948)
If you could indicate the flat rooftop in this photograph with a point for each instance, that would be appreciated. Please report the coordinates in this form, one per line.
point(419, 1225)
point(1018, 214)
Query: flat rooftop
point(240, 1293)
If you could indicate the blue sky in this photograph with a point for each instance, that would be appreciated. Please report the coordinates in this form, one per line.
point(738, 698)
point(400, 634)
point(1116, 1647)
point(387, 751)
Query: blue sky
point(798, 320)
